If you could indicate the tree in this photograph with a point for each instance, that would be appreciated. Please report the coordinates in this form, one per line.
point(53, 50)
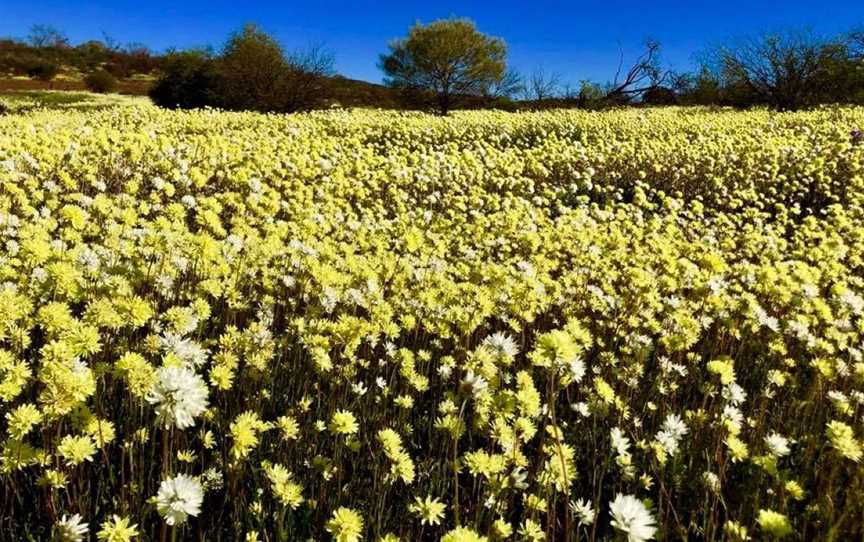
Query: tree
point(542, 85)
point(306, 83)
point(91, 54)
point(43, 35)
point(186, 80)
point(45, 71)
point(100, 81)
point(590, 94)
point(449, 59)
point(643, 75)
point(855, 42)
point(254, 73)
point(249, 71)
point(507, 87)
point(779, 70)
point(703, 88)
point(659, 95)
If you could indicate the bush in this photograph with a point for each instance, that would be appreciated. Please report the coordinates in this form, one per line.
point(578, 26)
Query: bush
point(43, 72)
point(101, 82)
point(252, 73)
point(186, 81)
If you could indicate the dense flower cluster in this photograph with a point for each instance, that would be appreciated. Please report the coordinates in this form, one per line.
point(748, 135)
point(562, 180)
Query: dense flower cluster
point(381, 326)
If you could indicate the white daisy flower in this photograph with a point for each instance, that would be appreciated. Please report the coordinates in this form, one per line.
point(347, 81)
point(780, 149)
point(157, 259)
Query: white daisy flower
point(70, 529)
point(474, 383)
point(179, 395)
point(178, 498)
point(585, 514)
point(777, 444)
point(632, 518)
point(502, 344)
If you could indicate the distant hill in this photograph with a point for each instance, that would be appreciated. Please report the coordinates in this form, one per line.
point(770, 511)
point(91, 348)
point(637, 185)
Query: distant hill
point(355, 93)
point(136, 69)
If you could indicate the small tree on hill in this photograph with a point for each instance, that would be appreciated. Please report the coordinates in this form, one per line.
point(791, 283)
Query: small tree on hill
point(448, 59)
point(44, 71)
point(250, 70)
point(44, 35)
point(100, 81)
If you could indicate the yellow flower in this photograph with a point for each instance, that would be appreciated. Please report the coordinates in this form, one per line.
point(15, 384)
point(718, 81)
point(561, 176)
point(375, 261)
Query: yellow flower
point(23, 419)
point(430, 510)
point(76, 450)
point(774, 523)
point(286, 490)
point(346, 525)
point(244, 432)
point(117, 529)
point(343, 423)
point(463, 534)
point(842, 439)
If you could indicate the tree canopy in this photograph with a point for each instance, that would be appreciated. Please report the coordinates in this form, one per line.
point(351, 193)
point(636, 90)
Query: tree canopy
point(449, 59)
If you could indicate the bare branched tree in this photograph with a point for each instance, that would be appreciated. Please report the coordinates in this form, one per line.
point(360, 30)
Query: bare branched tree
point(643, 75)
point(542, 85)
point(44, 35)
point(779, 70)
point(111, 43)
point(855, 43)
point(305, 83)
point(509, 86)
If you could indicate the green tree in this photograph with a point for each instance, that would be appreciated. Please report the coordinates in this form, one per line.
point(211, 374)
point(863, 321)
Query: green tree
point(186, 80)
point(250, 70)
point(44, 71)
point(449, 59)
point(254, 73)
point(100, 81)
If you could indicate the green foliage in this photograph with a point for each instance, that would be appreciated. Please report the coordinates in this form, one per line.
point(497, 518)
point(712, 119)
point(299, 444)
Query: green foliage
point(186, 81)
point(448, 59)
point(101, 82)
point(252, 73)
point(19, 58)
point(787, 70)
point(45, 71)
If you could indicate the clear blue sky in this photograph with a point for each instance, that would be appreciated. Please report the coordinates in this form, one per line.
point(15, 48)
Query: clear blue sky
point(578, 39)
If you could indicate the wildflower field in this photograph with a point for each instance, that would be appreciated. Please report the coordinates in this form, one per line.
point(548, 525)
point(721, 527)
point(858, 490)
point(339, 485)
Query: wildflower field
point(358, 325)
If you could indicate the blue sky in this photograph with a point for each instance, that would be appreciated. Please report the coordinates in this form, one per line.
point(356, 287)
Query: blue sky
point(579, 39)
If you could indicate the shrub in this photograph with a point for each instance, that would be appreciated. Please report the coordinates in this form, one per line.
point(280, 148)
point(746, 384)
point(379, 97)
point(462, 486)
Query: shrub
point(186, 81)
point(254, 73)
point(44, 72)
point(101, 81)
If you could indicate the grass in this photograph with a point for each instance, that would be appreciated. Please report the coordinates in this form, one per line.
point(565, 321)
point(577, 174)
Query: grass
point(19, 101)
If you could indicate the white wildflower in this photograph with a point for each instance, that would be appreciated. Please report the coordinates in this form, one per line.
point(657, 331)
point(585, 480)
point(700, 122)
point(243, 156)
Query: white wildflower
point(70, 529)
point(180, 396)
point(777, 444)
point(585, 514)
point(178, 498)
point(632, 518)
point(502, 344)
point(474, 383)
